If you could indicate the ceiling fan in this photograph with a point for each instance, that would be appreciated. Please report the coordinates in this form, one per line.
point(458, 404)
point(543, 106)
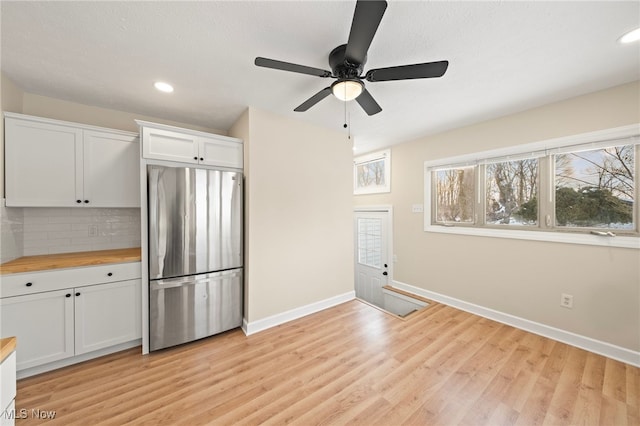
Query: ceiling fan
point(347, 63)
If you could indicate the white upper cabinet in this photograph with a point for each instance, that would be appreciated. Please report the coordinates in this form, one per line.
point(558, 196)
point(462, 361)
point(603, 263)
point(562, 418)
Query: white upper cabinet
point(111, 169)
point(51, 163)
point(162, 142)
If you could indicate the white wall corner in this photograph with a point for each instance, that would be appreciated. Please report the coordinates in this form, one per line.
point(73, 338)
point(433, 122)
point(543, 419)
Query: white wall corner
point(592, 345)
point(250, 328)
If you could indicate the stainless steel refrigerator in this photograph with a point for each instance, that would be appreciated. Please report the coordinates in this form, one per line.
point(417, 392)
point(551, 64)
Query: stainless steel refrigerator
point(195, 253)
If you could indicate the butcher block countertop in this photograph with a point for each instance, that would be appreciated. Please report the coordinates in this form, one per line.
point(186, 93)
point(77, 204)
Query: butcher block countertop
point(7, 345)
point(69, 260)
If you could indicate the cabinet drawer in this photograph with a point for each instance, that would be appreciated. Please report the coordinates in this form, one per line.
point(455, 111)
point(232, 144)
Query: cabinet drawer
point(37, 282)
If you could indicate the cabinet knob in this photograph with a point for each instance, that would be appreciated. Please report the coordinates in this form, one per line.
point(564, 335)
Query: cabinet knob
point(86, 201)
point(195, 158)
point(78, 201)
point(110, 274)
point(78, 294)
point(67, 295)
point(201, 159)
point(29, 284)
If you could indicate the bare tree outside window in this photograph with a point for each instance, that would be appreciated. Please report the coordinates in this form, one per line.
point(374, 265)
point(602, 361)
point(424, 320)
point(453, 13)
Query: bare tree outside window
point(512, 192)
point(455, 194)
point(596, 188)
point(371, 173)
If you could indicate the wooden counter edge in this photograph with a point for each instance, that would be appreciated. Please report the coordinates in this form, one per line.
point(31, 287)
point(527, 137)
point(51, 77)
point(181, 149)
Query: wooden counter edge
point(70, 260)
point(7, 345)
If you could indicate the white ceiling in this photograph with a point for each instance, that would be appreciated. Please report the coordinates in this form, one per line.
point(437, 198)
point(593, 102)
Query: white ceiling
point(503, 57)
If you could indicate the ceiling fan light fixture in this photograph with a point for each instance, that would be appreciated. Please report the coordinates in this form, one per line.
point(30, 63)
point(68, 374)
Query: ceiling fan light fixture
point(631, 36)
point(347, 90)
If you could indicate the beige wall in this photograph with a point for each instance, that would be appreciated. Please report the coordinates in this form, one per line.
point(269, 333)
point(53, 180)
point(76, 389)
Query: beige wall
point(299, 239)
point(521, 278)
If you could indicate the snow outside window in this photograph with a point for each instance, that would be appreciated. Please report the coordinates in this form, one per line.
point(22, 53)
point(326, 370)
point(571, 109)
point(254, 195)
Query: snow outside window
point(512, 192)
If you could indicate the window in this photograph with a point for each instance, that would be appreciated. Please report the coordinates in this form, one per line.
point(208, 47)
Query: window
point(372, 173)
point(581, 189)
point(595, 188)
point(512, 192)
point(455, 190)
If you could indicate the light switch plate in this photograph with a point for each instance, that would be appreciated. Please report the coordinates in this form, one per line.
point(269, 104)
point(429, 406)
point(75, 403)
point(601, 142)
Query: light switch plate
point(417, 208)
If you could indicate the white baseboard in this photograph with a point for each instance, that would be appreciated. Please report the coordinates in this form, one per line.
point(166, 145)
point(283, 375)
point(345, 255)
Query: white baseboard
point(602, 348)
point(274, 320)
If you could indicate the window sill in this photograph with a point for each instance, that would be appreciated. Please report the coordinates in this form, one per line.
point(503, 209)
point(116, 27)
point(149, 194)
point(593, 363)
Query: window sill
point(555, 237)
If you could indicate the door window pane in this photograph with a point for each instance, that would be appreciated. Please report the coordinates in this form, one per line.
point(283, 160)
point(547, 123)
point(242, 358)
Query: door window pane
point(370, 242)
point(595, 188)
point(512, 192)
point(455, 194)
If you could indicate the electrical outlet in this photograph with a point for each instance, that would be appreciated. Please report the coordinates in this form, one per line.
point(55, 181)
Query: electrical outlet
point(566, 300)
point(93, 230)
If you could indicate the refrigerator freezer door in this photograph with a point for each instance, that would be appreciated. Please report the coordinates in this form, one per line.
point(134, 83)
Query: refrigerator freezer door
point(195, 221)
point(190, 308)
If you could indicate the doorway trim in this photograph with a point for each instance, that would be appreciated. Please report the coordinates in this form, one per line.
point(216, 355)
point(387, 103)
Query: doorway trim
point(380, 209)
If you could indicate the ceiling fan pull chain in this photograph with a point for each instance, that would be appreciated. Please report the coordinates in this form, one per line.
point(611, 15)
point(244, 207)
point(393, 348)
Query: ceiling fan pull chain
point(345, 110)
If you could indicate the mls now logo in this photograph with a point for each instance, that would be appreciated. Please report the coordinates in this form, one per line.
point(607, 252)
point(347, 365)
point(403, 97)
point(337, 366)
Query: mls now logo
point(23, 413)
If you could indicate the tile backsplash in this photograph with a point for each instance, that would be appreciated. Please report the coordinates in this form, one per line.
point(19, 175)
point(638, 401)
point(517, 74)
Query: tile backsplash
point(28, 231)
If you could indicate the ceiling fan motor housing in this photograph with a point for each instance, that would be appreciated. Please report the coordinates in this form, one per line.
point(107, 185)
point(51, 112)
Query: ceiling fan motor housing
point(341, 68)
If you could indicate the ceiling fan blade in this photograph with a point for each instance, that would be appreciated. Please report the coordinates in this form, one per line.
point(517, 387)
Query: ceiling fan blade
point(368, 104)
point(408, 72)
point(366, 20)
point(314, 99)
point(287, 66)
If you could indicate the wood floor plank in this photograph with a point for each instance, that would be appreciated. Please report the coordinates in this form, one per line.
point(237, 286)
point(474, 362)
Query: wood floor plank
point(351, 364)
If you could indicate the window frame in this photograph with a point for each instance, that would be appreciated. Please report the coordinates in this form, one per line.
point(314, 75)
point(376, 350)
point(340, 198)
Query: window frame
point(546, 230)
point(384, 155)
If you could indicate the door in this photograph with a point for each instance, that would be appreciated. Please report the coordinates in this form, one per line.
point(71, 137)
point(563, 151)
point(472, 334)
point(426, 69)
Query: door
point(195, 221)
point(43, 325)
point(106, 315)
point(111, 170)
point(372, 263)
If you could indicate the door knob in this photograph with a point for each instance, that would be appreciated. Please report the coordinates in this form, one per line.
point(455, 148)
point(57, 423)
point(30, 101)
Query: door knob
point(385, 273)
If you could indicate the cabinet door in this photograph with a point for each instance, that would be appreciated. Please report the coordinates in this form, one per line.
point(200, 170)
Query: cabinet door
point(107, 314)
point(43, 325)
point(167, 145)
point(216, 152)
point(111, 170)
point(43, 164)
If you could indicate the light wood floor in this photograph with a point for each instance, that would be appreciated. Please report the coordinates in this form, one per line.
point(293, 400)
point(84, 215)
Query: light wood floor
point(352, 364)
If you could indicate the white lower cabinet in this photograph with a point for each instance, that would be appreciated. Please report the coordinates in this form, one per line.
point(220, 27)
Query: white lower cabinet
point(43, 325)
point(106, 315)
point(55, 325)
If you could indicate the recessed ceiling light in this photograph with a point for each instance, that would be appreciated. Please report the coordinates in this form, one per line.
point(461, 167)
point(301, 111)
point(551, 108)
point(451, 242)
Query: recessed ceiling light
point(163, 87)
point(631, 36)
